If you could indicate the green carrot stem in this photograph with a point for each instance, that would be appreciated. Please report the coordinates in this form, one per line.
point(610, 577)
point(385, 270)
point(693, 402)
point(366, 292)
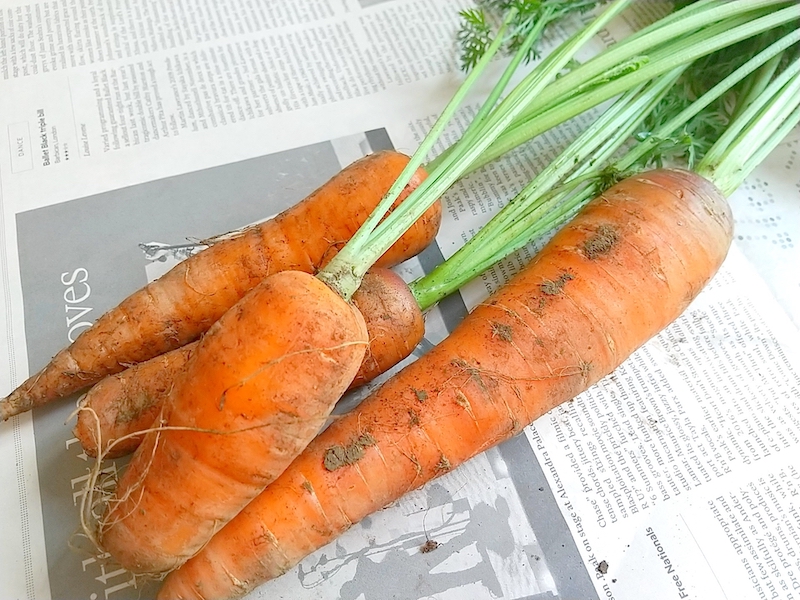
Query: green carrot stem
point(362, 235)
point(662, 61)
point(754, 86)
point(726, 143)
point(483, 113)
point(736, 178)
point(346, 269)
point(576, 91)
point(514, 225)
point(671, 31)
point(725, 163)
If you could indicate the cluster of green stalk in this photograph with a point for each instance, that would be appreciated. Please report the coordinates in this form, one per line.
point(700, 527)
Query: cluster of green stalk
point(640, 72)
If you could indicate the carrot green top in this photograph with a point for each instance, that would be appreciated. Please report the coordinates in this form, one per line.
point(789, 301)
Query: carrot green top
point(641, 67)
point(677, 125)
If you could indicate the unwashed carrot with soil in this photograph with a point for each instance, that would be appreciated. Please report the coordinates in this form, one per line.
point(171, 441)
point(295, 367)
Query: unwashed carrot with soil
point(602, 287)
point(344, 273)
point(122, 405)
point(257, 388)
point(175, 309)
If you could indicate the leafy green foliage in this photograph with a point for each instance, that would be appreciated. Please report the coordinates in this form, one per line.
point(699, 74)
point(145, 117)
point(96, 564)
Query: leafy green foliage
point(688, 146)
point(474, 36)
point(610, 176)
point(479, 25)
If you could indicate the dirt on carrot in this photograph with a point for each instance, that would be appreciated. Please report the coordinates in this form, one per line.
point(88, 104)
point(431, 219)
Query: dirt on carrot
point(601, 241)
point(338, 456)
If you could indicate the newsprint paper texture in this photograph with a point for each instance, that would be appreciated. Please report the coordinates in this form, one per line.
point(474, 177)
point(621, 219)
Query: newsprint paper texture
point(133, 131)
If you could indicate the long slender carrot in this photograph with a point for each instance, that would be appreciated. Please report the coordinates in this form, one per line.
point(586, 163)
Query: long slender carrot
point(121, 405)
point(178, 307)
point(623, 269)
point(256, 390)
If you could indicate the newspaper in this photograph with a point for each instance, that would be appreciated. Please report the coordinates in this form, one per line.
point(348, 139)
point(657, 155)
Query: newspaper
point(136, 130)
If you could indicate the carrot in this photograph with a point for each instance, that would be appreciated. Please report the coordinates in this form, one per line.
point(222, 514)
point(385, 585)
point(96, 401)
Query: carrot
point(394, 322)
point(122, 405)
point(114, 410)
point(624, 268)
point(178, 307)
point(259, 386)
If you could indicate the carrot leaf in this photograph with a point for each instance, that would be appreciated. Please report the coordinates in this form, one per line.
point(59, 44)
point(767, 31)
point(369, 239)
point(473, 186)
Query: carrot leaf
point(478, 24)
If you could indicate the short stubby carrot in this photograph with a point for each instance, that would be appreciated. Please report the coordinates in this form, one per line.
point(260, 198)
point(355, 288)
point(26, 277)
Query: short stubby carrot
point(256, 390)
point(113, 412)
point(182, 304)
point(394, 322)
point(622, 270)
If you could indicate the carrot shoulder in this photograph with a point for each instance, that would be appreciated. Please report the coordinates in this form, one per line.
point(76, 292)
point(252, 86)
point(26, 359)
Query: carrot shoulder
point(121, 405)
point(182, 304)
point(622, 270)
point(256, 390)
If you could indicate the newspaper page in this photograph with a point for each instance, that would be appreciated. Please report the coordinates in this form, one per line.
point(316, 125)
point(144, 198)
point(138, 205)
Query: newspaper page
point(136, 130)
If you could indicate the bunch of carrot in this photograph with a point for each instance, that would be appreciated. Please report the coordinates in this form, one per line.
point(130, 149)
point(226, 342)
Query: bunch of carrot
point(233, 422)
point(603, 285)
point(510, 361)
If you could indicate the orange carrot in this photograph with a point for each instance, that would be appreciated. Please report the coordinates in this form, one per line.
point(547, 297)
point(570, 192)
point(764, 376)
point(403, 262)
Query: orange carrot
point(121, 405)
point(114, 410)
point(622, 270)
point(259, 386)
point(178, 307)
point(394, 322)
